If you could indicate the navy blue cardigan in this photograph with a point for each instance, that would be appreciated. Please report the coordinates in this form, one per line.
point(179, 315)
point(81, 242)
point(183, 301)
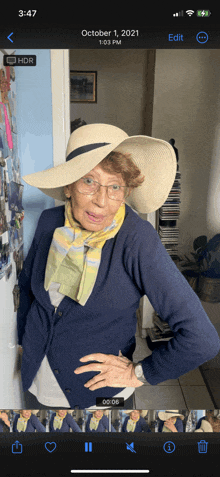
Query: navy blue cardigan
point(32, 424)
point(133, 263)
point(198, 425)
point(4, 427)
point(141, 425)
point(68, 422)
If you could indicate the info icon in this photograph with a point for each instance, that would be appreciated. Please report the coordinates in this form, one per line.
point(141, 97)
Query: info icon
point(169, 447)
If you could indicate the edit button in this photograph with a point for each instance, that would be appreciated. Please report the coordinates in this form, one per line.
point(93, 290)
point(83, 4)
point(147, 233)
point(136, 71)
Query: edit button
point(177, 37)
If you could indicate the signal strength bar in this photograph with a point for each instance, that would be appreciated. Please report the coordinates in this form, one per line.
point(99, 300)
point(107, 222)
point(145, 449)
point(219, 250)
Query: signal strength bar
point(179, 14)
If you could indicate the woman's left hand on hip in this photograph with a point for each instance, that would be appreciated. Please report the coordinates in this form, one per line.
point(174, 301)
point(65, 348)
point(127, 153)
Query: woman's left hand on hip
point(115, 371)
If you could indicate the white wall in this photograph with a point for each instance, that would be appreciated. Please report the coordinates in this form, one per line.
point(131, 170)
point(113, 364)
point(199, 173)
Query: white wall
point(186, 108)
point(120, 87)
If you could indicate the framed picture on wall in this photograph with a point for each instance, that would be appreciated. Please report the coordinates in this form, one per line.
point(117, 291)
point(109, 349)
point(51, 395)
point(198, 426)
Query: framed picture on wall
point(83, 86)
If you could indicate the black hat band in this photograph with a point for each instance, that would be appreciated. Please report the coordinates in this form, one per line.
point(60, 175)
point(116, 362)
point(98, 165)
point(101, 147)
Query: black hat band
point(87, 148)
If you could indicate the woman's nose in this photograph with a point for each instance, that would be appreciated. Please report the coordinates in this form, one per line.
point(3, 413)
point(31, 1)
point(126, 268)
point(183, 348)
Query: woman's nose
point(101, 196)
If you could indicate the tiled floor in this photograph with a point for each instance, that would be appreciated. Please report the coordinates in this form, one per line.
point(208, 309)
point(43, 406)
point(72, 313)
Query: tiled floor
point(211, 369)
point(198, 389)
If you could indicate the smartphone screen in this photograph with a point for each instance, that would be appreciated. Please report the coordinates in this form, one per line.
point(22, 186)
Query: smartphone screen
point(99, 266)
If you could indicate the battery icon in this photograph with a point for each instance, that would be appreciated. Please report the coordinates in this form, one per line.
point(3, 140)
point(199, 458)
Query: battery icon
point(203, 13)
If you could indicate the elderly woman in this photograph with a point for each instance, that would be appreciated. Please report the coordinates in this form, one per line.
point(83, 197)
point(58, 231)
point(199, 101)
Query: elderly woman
point(90, 262)
point(98, 422)
point(27, 422)
point(135, 422)
point(170, 421)
point(62, 421)
point(4, 421)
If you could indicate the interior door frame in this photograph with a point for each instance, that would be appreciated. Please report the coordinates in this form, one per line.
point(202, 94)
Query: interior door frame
point(60, 93)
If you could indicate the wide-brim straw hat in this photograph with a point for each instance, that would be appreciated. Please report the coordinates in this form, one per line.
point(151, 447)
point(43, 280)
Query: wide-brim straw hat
point(90, 144)
point(105, 411)
point(205, 427)
point(143, 413)
point(164, 416)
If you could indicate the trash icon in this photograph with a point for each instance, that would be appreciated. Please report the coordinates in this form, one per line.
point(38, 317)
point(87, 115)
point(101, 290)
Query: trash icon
point(202, 447)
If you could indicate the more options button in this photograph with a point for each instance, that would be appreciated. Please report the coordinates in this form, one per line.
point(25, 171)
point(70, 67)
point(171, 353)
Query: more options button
point(202, 37)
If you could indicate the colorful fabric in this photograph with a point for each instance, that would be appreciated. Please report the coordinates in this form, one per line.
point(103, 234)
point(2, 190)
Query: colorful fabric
point(8, 128)
point(67, 263)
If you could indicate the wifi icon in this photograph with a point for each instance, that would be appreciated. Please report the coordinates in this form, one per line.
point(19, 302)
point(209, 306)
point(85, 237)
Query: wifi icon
point(190, 12)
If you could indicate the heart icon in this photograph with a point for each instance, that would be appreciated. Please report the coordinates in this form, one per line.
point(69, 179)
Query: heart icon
point(50, 446)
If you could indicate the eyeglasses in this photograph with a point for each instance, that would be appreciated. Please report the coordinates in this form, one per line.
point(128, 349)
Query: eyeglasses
point(88, 186)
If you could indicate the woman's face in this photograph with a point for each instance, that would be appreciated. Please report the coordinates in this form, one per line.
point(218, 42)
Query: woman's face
point(26, 413)
point(95, 212)
point(135, 415)
point(61, 412)
point(98, 414)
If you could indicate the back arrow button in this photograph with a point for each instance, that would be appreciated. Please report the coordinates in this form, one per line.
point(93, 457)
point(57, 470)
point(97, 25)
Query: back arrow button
point(10, 38)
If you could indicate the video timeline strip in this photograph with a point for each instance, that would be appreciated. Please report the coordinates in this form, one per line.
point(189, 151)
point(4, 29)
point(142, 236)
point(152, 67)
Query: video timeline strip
point(115, 420)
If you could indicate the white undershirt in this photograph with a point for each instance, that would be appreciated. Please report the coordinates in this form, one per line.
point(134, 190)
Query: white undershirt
point(45, 386)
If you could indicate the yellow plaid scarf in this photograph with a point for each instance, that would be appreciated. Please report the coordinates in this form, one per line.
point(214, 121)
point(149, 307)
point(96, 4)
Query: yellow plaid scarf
point(22, 423)
point(94, 422)
point(67, 263)
point(131, 424)
point(58, 421)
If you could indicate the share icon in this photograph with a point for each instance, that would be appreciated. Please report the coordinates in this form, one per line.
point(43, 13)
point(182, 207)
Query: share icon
point(130, 447)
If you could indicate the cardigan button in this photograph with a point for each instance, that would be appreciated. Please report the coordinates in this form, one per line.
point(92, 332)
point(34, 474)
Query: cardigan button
point(56, 371)
point(60, 313)
point(68, 390)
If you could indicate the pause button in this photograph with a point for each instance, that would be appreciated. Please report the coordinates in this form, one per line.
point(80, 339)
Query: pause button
point(88, 446)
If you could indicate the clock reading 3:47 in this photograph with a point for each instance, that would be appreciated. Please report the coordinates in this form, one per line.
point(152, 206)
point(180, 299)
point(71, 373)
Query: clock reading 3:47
point(27, 13)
